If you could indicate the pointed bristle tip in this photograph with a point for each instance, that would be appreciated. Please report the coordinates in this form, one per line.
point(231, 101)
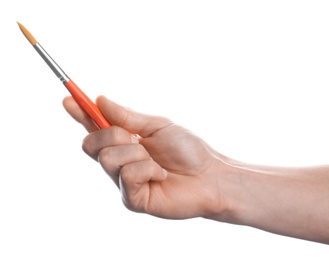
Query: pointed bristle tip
point(27, 34)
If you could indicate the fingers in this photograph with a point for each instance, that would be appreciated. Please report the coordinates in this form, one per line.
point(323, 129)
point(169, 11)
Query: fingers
point(133, 163)
point(127, 162)
point(78, 114)
point(135, 181)
point(118, 151)
point(114, 158)
point(131, 169)
point(98, 140)
point(134, 122)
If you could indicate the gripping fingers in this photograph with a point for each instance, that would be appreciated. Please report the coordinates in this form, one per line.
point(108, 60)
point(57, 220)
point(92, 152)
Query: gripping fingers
point(134, 183)
point(113, 136)
point(113, 158)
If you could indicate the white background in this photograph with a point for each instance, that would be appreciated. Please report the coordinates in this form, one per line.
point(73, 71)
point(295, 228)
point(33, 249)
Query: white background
point(250, 77)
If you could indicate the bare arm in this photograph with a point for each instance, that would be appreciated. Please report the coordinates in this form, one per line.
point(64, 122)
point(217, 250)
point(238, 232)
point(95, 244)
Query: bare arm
point(170, 173)
point(288, 201)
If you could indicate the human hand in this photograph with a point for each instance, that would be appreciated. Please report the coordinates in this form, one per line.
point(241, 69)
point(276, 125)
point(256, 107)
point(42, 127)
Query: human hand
point(169, 172)
point(166, 171)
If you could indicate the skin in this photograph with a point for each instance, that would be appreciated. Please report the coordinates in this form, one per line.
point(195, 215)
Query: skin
point(164, 170)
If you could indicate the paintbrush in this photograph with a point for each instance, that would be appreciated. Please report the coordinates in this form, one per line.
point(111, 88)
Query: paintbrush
point(81, 98)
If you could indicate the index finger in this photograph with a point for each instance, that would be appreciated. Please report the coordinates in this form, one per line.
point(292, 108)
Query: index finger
point(78, 114)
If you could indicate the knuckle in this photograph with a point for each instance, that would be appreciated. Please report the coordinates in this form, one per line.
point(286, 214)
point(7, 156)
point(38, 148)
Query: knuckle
point(104, 157)
point(87, 144)
point(126, 173)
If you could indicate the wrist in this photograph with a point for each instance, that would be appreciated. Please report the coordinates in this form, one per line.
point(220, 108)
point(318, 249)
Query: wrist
point(232, 202)
point(279, 200)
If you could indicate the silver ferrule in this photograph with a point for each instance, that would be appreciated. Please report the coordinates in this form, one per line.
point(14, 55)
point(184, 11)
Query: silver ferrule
point(51, 63)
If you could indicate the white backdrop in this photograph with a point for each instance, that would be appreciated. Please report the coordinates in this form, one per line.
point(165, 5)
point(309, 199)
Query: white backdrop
point(250, 77)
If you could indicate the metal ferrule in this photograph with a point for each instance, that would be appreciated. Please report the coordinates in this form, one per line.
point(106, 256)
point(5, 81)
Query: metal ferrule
point(51, 63)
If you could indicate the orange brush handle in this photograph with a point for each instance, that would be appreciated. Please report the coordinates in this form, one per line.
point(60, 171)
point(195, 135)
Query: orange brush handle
point(87, 105)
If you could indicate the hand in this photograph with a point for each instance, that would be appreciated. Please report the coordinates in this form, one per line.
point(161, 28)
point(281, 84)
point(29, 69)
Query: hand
point(160, 168)
point(167, 171)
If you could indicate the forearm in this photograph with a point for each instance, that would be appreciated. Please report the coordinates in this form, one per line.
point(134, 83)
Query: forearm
point(288, 201)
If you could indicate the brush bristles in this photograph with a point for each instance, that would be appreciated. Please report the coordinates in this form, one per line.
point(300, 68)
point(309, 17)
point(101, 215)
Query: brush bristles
point(27, 34)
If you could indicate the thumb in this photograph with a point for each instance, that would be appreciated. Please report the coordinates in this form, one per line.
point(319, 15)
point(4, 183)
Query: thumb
point(134, 122)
